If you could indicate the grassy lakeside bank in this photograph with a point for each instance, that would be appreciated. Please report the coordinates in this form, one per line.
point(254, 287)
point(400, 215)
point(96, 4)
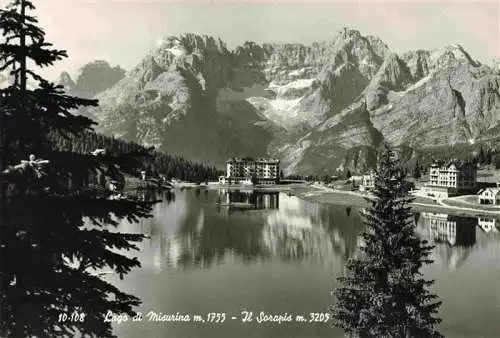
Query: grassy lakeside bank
point(353, 199)
point(470, 201)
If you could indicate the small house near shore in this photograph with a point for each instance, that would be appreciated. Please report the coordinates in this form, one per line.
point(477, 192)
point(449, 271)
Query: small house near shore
point(367, 181)
point(489, 196)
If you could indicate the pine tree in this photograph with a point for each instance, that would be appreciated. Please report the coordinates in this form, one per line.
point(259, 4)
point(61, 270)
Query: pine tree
point(327, 179)
point(55, 230)
point(496, 159)
point(382, 293)
point(416, 171)
point(489, 156)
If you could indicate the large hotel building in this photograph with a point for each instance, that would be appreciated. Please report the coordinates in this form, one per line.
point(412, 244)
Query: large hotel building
point(242, 170)
point(452, 179)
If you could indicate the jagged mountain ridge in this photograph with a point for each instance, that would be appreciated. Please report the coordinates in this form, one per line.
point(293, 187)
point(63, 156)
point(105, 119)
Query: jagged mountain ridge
point(323, 107)
point(91, 79)
point(423, 99)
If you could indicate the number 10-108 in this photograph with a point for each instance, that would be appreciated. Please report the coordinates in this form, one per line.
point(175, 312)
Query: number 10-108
point(74, 317)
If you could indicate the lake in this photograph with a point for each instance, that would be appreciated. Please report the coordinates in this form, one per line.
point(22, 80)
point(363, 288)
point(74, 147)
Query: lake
point(280, 255)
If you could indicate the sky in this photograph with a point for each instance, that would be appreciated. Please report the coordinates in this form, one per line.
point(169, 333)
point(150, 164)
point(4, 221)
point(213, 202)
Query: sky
point(122, 31)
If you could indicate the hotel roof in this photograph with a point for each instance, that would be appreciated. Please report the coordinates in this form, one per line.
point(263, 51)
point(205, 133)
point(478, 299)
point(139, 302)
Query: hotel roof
point(446, 165)
point(251, 159)
point(495, 190)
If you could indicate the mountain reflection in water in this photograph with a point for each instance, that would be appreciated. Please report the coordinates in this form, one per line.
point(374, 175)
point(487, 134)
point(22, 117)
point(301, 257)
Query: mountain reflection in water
point(195, 231)
point(284, 257)
point(190, 231)
point(456, 237)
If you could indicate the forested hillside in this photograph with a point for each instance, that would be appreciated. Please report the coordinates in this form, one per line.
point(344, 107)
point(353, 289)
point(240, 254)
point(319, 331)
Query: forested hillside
point(159, 163)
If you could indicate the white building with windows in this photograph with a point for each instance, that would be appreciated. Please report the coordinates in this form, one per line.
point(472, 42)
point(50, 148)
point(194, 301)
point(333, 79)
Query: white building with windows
point(489, 196)
point(451, 179)
point(243, 170)
point(367, 182)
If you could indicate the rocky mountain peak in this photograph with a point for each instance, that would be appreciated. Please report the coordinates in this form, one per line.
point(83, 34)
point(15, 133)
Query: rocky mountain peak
point(352, 39)
point(67, 82)
point(377, 45)
point(347, 33)
point(186, 45)
point(205, 58)
point(450, 55)
point(91, 79)
point(64, 77)
point(96, 77)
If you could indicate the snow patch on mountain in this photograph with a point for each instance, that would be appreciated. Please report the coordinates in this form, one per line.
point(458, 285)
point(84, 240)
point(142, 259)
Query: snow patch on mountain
point(176, 50)
point(297, 84)
point(201, 80)
point(418, 84)
point(171, 45)
point(298, 72)
point(281, 105)
point(284, 109)
point(280, 111)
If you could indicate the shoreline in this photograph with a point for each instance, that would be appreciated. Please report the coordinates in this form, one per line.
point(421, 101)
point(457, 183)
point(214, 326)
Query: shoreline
point(356, 199)
point(273, 187)
point(324, 195)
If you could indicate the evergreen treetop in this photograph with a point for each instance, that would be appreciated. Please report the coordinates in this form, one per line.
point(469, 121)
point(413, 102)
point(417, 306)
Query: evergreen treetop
point(383, 293)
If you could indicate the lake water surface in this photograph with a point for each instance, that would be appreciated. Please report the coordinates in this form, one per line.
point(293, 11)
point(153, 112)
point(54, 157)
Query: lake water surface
point(281, 255)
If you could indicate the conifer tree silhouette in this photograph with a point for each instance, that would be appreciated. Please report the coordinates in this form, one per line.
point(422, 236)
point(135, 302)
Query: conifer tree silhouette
point(383, 293)
point(55, 228)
